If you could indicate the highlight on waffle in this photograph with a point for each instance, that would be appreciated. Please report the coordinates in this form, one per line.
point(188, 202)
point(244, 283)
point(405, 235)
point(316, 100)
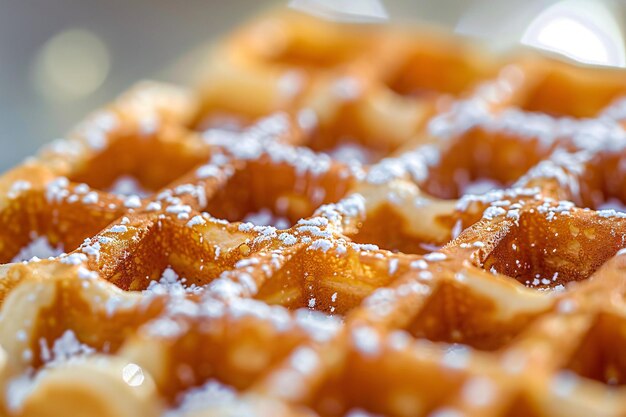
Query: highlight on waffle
point(342, 212)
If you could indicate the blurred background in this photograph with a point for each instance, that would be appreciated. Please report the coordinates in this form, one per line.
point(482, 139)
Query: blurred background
point(59, 60)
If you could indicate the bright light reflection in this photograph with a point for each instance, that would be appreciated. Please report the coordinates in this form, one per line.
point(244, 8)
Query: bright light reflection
point(343, 10)
point(71, 65)
point(582, 30)
point(132, 374)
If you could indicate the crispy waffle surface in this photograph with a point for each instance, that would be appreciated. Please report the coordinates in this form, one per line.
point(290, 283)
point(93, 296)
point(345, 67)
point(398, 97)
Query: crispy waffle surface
point(304, 234)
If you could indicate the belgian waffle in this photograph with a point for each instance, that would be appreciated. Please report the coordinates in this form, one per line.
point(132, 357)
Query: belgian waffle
point(341, 220)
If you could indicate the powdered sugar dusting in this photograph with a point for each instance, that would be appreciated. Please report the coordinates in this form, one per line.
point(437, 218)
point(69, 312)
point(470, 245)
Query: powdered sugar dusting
point(38, 248)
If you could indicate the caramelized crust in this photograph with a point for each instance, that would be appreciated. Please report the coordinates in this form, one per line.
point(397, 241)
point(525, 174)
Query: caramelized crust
point(314, 231)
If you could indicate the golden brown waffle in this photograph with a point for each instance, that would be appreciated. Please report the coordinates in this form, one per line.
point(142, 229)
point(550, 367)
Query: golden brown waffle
point(303, 235)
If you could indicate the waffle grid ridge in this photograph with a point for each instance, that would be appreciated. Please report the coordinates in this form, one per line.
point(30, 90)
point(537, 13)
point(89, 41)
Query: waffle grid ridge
point(298, 237)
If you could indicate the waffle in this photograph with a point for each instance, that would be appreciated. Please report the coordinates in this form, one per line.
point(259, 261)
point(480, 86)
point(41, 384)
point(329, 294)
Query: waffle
point(340, 220)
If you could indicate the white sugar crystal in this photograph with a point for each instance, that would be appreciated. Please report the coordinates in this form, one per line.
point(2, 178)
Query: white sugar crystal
point(385, 171)
point(169, 276)
point(247, 282)
point(149, 124)
point(40, 248)
point(612, 203)
point(456, 357)
point(18, 187)
point(419, 264)
point(245, 227)
point(74, 259)
point(81, 189)
point(349, 152)
point(317, 221)
point(197, 191)
point(399, 339)
point(617, 110)
point(196, 220)
point(320, 326)
point(341, 249)
point(246, 262)
point(209, 396)
point(414, 164)
point(513, 214)
point(65, 348)
point(118, 228)
point(347, 88)
point(65, 147)
point(287, 239)
point(261, 139)
point(307, 119)
point(479, 391)
point(289, 383)
point(381, 301)
point(265, 217)
point(84, 273)
point(611, 213)
point(413, 288)
point(321, 244)
point(56, 190)
point(132, 201)
point(178, 209)
point(493, 212)
point(90, 198)
point(564, 383)
point(435, 256)
point(567, 306)
point(21, 335)
point(393, 266)
point(460, 276)
point(514, 361)
point(96, 139)
point(164, 327)
point(366, 340)
point(291, 83)
point(352, 206)
point(116, 302)
point(170, 283)
point(225, 288)
point(153, 206)
point(315, 231)
point(305, 360)
point(126, 185)
point(91, 249)
point(457, 229)
point(18, 390)
point(364, 247)
point(480, 186)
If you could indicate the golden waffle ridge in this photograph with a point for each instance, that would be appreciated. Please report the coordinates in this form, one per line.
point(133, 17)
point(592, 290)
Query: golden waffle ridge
point(305, 234)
